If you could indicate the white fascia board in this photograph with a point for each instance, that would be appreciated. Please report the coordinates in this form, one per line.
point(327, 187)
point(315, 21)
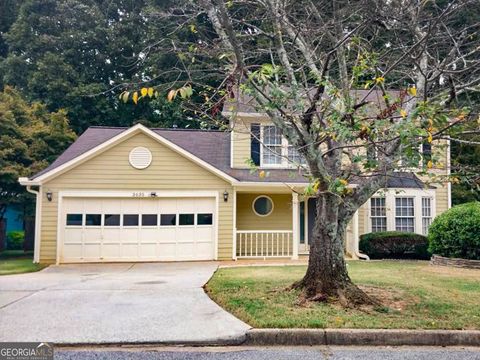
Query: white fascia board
point(109, 143)
point(27, 182)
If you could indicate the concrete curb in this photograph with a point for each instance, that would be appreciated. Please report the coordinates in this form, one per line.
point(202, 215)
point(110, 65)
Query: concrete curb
point(380, 337)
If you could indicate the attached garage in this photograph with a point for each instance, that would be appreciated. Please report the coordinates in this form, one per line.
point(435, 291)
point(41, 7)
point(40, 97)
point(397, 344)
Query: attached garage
point(143, 228)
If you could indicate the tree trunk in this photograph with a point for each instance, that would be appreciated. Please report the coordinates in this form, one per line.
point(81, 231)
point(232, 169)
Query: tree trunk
point(327, 278)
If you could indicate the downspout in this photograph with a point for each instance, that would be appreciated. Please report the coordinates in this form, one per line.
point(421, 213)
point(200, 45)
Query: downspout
point(38, 214)
point(356, 239)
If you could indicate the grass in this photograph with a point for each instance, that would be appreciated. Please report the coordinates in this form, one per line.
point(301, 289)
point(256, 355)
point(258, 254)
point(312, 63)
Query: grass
point(417, 296)
point(17, 262)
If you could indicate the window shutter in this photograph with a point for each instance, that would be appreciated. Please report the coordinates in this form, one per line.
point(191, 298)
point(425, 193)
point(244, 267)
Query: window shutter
point(255, 143)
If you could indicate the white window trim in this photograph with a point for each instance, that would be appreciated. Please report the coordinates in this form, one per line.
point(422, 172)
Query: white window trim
point(391, 194)
point(285, 161)
point(415, 212)
point(370, 212)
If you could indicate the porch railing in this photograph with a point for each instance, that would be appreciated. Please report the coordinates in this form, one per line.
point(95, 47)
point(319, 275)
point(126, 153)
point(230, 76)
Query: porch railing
point(264, 243)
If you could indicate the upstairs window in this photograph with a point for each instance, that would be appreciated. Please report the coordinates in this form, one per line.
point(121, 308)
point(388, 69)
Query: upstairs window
point(272, 141)
point(276, 151)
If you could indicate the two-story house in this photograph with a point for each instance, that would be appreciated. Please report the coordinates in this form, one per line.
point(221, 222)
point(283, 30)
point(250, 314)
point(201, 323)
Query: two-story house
point(139, 194)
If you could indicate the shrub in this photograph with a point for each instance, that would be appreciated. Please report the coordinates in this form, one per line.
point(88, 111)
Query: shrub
point(15, 240)
point(456, 232)
point(394, 245)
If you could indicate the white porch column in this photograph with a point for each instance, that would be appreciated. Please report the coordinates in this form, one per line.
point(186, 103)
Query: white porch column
point(355, 235)
point(234, 245)
point(295, 226)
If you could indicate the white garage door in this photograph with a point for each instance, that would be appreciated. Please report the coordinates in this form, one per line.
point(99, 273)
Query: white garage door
point(147, 229)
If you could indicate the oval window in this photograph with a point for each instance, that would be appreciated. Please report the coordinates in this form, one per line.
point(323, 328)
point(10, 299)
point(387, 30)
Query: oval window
point(263, 206)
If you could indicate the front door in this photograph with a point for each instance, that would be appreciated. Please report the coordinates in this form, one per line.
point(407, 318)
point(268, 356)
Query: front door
point(307, 219)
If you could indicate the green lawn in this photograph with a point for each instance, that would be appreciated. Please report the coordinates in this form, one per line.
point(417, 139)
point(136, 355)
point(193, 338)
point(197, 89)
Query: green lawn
point(17, 262)
point(416, 294)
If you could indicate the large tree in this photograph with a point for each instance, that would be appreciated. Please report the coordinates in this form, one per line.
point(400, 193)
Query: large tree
point(76, 55)
point(31, 137)
point(304, 62)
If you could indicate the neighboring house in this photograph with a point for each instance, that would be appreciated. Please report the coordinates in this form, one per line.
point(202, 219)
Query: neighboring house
point(14, 219)
point(139, 194)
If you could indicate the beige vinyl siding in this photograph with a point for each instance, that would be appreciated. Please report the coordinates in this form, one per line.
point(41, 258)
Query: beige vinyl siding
point(279, 219)
point(111, 170)
point(241, 139)
point(441, 198)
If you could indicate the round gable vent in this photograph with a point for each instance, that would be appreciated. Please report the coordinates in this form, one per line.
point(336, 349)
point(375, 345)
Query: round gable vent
point(140, 157)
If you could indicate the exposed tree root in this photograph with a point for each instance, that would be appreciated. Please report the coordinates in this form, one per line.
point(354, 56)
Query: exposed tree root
point(345, 292)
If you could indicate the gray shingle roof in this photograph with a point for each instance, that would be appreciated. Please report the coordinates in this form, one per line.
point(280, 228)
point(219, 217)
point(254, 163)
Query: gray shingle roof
point(212, 147)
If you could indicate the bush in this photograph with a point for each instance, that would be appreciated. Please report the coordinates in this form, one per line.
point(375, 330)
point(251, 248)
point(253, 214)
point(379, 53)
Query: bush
point(15, 240)
point(394, 245)
point(456, 232)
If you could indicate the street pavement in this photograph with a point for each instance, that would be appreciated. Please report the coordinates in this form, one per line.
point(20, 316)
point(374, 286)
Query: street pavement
point(271, 353)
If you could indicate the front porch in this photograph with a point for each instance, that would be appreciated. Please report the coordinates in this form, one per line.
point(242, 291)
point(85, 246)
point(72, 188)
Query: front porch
point(270, 225)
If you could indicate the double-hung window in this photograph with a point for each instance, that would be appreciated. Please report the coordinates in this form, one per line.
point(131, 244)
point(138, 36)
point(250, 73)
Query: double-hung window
point(426, 214)
point(378, 214)
point(405, 214)
point(276, 151)
point(272, 150)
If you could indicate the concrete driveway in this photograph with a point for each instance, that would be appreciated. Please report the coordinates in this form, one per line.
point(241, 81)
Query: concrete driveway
point(115, 303)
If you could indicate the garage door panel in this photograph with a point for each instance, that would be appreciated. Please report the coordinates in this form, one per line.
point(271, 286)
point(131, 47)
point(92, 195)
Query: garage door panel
point(72, 251)
point(149, 235)
point(111, 235)
point(204, 205)
point(129, 236)
point(167, 206)
point(149, 206)
point(204, 251)
point(113, 229)
point(129, 251)
point(186, 234)
point(167, 251)
point(185, 250)
point(73, 236)
point(110, 251)
point(91, 251)
point(204, 234)
point(92, 236)
point(111, 206)
point(186, 205)
point(167, 235)
point(92, 206)
point(148, 251)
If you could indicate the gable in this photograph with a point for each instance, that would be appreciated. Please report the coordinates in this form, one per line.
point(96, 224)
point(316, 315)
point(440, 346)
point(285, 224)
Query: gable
point(111, 169)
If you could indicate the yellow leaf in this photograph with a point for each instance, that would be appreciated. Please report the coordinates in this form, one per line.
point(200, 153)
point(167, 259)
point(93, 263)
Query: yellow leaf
point(429, 164)
point(380, 80)
point(150, 92)
point(135, 97)
point(144, 91)
point(430, 138)
point(125, 96)
point(403, 113)
point(261, 174)
point(316, 186)
point(412, 91)
point(171, 95)
point(343, 182)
